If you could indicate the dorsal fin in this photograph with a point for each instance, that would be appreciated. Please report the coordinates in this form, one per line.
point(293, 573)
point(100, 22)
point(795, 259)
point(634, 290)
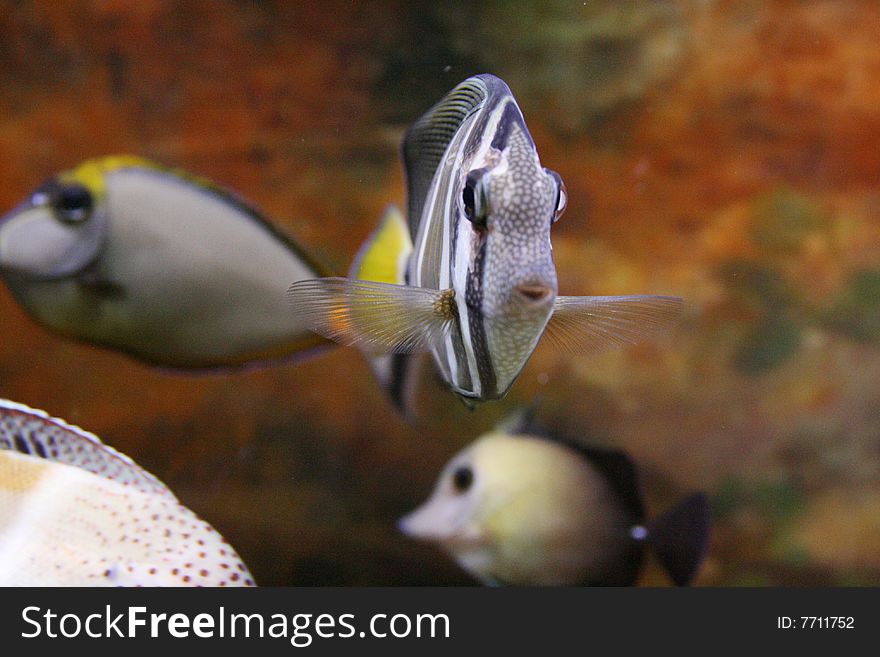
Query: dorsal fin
point(33, 433)
point(620, 472)
point(521, 421)
point(427, 139)
point(385, 254)
point(94, 173)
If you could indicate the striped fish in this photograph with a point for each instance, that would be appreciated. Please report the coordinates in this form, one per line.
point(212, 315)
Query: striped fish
point(470, 277)
point(75, 512)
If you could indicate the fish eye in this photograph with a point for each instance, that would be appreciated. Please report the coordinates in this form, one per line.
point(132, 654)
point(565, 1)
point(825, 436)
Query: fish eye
point(462, 478)
point(561, 196)
point(473, 197)
point(561, 201)
point(467, 197)
point(73, 203)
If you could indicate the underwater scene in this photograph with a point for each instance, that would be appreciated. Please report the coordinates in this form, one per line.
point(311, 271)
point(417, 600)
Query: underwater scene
point(410, 293)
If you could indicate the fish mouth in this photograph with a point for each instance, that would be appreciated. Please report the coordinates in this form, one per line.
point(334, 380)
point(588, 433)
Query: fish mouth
point(437, 520)
point(34, 245)
point(405, 526)
point(533, 292)
point(422, 525)
point(428, 524)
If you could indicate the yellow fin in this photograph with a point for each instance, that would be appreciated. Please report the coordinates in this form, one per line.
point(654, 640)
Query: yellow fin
point(384, 256)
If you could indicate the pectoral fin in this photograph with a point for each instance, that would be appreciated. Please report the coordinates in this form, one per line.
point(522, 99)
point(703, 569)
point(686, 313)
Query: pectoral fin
point(591, 324)
point(374, 317)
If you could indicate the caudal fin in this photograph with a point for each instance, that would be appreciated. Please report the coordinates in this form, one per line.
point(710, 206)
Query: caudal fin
point(680, 537)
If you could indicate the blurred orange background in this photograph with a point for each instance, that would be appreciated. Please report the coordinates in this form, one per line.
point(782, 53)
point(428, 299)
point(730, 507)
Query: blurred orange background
point(725, 152)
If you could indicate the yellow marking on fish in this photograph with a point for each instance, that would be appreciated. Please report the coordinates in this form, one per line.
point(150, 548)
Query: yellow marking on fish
point(380, 263)
point(19, 474)
point(388, 248)
point(92, 173)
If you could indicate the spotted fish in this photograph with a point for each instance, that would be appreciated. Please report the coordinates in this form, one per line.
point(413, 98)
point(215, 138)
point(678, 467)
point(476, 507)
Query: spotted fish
point(157, 263)
point(75, 512)
point(469, 275)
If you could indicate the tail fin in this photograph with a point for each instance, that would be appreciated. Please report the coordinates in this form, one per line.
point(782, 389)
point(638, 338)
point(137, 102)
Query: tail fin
point(680, 537)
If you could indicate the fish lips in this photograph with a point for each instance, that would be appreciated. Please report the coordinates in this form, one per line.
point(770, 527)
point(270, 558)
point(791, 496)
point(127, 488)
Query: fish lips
point(421, 524)
point(439, 520)
point(36, 245)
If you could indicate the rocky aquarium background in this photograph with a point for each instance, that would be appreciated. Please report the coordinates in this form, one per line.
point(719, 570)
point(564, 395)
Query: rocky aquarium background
point(722, 151)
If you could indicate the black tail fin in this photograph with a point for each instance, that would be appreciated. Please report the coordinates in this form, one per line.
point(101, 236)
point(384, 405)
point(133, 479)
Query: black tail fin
point(680, 537)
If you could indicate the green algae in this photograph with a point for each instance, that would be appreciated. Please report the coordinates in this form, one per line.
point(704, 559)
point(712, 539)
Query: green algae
point(856, 311)
point(782, 219)
point(768, 344)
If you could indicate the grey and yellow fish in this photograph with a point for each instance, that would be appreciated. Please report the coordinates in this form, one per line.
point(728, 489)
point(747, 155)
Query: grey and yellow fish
point(154, 262)
point(75, 512)
point(517, 507)
point(470, 277)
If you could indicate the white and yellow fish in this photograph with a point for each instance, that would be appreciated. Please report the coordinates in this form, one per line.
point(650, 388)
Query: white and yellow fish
point(471, 277)
point(75, 512)
point(154, 262)
point(519, 508)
